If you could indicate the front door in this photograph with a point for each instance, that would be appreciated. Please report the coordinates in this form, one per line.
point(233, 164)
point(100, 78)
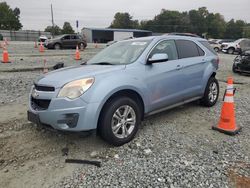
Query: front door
point(164, 80)
point(66, 41)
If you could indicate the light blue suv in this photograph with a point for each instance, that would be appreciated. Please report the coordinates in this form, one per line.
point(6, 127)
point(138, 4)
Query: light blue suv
point(125, 82)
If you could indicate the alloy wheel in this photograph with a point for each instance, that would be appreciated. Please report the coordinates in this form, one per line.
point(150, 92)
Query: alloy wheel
point(123, 121)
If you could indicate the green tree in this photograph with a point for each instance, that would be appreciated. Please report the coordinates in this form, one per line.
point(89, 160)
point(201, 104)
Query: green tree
point(167, 21)
point(234, 29)
point(198, 20)
point(124, 21)
point(9, 19)
point(216, 25)
point(56, 30)
point(246, 31)
point(67, 28)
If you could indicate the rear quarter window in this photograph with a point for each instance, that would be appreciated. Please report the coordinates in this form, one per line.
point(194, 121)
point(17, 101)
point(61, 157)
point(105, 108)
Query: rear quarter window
point(188, 49)
point(208, 46)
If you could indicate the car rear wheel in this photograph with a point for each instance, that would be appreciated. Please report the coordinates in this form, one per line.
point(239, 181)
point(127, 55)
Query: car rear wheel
point(119, 121)
point(230, 51)
point(57, 46)
point(81, 46)
point(211, 93)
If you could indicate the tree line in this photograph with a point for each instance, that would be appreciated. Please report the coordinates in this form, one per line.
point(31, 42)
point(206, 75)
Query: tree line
point(56, 30)
point(200, 21)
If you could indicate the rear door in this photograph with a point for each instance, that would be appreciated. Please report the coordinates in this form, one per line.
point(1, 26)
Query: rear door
point(164, 80)
point(66, 41)
point(74, 41)
point(193, 63)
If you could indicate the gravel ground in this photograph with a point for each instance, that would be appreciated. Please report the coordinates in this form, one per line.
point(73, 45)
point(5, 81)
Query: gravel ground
point(176, 148)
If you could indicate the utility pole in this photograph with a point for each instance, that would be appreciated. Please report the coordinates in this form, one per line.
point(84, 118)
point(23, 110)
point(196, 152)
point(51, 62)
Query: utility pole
point(52, 19)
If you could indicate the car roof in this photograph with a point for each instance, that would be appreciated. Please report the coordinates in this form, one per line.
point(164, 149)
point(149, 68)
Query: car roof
point(174, 37)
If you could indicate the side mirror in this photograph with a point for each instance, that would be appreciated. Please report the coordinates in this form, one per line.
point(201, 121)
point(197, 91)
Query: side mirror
point(158, 58)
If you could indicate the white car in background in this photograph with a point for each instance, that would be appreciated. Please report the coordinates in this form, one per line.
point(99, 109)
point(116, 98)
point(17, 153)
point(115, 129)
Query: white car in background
point(215, 46)
point(43, 38)
point(235, 46)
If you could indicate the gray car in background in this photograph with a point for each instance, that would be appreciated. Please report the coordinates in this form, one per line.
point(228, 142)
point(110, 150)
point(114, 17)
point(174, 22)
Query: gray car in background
point(124, 83)
point(67, 41)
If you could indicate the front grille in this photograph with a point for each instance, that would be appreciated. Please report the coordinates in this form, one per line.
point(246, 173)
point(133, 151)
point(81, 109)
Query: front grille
point(40, 104)
point(44, 88)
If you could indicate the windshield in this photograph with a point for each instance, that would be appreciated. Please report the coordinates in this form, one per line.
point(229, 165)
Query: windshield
point(124, 52)
point(238, 41)
point(58, 36)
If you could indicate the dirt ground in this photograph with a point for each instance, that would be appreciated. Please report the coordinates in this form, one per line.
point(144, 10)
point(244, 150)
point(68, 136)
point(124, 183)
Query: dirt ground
point(33, 157)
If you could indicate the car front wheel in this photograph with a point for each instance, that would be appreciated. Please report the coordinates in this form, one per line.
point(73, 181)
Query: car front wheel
point(57, 46)
point(230, 51)
point(119, 121)
point(211, 93)
point(216, 49)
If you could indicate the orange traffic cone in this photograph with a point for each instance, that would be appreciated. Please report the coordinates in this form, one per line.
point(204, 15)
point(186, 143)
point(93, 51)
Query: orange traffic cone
point(45, 68)
point(77, 55)
point(35, 45)
point(5, 56)
point(227, 123)
point(41, 47)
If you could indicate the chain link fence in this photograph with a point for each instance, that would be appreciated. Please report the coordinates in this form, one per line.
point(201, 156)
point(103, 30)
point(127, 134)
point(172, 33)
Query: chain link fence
point(23, 35)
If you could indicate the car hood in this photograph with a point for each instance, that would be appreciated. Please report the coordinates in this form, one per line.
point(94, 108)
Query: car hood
point(60, 77)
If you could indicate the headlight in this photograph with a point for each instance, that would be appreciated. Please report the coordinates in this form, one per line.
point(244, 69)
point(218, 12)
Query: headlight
point(76, 88)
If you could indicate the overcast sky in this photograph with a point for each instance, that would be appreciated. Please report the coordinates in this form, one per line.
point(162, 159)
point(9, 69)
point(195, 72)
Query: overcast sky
point(35, 14)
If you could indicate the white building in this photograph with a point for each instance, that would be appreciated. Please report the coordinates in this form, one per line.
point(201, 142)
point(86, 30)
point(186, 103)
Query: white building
point(105, 35)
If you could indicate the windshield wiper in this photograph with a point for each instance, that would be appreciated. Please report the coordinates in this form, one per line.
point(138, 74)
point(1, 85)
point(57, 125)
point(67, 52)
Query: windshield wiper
point(102, 63)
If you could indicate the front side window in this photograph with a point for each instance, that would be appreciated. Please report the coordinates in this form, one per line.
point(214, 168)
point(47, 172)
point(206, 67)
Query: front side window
point(167, 47)
point(187, 49)
point(67, 37)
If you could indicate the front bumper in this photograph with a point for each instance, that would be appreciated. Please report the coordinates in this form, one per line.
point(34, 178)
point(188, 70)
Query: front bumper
point(67, 115)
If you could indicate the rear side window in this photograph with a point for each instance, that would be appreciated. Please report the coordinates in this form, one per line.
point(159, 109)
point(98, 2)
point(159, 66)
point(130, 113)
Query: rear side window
point(207, 45)
point(167, 47)
point(201, 52)
point(188, 49)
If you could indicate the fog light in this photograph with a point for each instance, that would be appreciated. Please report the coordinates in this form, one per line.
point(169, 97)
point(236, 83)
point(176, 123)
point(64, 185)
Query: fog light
point(69, 119)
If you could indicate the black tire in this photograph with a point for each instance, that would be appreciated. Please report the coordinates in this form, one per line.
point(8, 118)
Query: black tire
point(207, 100)
point(216, 49)
point(230, 51)
point(107, 119)
point(57, 46)
point(81, 46)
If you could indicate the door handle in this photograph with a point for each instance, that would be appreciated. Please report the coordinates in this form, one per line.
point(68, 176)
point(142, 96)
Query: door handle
point(178, 67)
